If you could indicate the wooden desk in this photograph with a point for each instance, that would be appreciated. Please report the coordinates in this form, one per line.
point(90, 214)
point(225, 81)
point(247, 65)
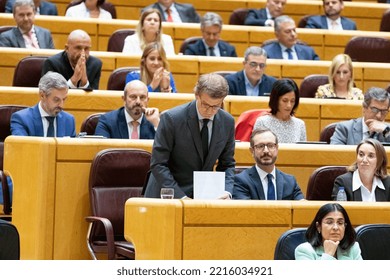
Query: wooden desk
point(50, 177)
point(232, 230)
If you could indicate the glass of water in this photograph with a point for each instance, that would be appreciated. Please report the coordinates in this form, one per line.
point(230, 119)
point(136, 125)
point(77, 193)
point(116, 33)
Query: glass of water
point(167, 193)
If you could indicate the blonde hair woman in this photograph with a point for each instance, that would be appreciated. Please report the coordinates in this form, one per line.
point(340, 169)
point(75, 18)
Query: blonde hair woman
point(340, 81)
point(149, 30)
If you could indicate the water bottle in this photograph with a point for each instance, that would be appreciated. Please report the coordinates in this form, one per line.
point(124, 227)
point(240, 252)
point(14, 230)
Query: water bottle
point(341, 195)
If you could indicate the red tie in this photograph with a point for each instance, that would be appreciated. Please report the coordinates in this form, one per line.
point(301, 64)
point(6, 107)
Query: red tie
point(134, 133)
point(169, 19)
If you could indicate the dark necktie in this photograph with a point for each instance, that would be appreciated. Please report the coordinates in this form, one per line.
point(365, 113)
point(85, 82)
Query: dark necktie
point(271, 188)
point(289, 54)
point(204, 133)
point(50, 129)
point(211, 49)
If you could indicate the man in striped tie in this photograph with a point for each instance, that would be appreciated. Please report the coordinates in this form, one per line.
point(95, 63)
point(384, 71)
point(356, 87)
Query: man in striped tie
point(264, 181)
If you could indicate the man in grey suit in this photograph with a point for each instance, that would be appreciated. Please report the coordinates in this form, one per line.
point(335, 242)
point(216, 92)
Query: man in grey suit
point(264, 181)
point(375, 109)
point(26, 34)
point(287, 45)
point(332, 19)
point(193, 137)
point(175, 12)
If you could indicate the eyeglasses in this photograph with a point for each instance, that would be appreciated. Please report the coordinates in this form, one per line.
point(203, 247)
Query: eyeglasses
point(255, 65)
point(331, 223)
point(208, 107)
point(261, 146)
point(375, 110)
point(135, 97)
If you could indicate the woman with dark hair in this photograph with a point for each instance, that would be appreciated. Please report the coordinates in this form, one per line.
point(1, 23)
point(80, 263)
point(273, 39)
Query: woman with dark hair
point(330, 236)
point(149, 30)
point(88, 9)
point(154, 70)
point(283, 101)
point(367, 179)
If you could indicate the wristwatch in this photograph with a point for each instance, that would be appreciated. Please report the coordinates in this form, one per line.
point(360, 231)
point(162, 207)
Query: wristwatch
point(385, 131)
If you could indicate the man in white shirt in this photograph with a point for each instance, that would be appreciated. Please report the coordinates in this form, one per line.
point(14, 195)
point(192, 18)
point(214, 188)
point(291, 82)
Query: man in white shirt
point(175, 12)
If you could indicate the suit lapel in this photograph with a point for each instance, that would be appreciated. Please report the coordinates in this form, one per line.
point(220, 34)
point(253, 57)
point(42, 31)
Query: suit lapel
point(37, 121)
point(122, 125)
point(241, 83)
point(60, 125)
point(357, 130)
point(324, 22)
point(279, 184)
point(193, 126)
point(255, 178)
point(19, 38)
point(202, 49)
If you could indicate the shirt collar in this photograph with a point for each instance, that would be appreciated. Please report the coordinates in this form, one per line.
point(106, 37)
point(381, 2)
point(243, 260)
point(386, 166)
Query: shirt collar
point(130, 119)
point(248, 83)
point(263, 174)
point(42, 111)
point(357, 183)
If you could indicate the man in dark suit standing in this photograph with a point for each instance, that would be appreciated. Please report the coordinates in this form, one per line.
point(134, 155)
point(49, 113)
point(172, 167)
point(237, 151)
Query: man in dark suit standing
point(210, 44)
point(132, 121)
point(41, 7)
point(259, 181)
point(193, 137)
point(79, 68)
point(26, 34)
point(286, 47)
point(175, 12)
point(265, 16)
point(47, 118)
point(332, 19)
point(251, 81)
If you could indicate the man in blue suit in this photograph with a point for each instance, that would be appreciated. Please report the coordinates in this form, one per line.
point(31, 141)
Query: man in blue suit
point(47, 118)
point(251, 81)
point(175, 12)
point(267, 15)
point(134, 120)
point(41, 7)
point(332, 19)
point(210, 44)
point(26, 34)
point(263, 181)
point(286, 46)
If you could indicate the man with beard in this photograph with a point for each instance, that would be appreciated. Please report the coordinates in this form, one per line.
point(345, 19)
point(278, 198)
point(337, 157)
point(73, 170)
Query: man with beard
point(267, 15)
point(332, 19)
point(46, 119)
point(79, 68)
point(132, 121)
point(263, 181)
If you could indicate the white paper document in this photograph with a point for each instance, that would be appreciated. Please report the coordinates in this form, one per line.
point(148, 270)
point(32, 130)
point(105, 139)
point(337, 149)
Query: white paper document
point(208, 184)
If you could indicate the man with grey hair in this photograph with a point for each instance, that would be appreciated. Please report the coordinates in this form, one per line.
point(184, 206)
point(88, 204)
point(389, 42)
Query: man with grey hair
point(251, 81)
point(372, 124)
point(26, 34)
point(47, 118)
point(210, 44)
point(287, 45)
point(80, 69)
point(193, 137)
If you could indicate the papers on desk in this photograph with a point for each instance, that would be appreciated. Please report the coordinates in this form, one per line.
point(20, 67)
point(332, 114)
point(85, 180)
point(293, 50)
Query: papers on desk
point(208, 184)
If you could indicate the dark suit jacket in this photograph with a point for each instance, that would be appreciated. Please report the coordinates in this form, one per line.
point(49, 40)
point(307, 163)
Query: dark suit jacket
point(13, 38)
point(320, 22)
point(303, 52)
point(177, 151)
point(46, 8)
point(60, 63)
point(247, 185)
point(345, 181)
point(186, 12)
point(113, 125)
point(236, 83)
point(28, 122)
point(256, 17)
point(198, 48)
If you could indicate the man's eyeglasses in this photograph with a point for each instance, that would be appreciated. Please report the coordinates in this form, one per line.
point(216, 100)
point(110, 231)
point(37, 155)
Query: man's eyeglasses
point(261, 146)
point(208, 107)
point(331, 223)
point(375, 110)
point(255, 65)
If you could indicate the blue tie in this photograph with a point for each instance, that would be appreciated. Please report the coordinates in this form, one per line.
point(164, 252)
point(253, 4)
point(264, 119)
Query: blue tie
point(211, 49)
point(271, 188)
point(289, 54)
point(50, 129)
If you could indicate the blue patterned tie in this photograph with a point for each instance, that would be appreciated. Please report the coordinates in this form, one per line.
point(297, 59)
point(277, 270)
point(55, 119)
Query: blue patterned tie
point(271, 188)
point(289, 54)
